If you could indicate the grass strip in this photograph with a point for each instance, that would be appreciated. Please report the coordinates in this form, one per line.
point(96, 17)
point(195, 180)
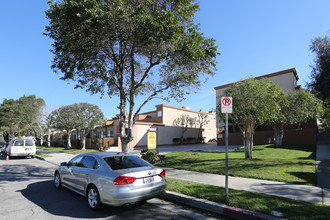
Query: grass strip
point(287, 163)
point(65, 150)
point(258, 202)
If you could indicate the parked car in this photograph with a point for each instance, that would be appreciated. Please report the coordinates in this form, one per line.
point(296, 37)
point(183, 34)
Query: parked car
point(114, 179)
point(3, 147)
point(22, 147)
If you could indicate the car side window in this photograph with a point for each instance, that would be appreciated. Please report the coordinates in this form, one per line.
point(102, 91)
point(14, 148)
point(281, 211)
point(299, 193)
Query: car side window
point(76, 162)
point(89, 162)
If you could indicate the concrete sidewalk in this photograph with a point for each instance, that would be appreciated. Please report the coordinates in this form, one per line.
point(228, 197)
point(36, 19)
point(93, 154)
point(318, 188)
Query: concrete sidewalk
point(292, 191)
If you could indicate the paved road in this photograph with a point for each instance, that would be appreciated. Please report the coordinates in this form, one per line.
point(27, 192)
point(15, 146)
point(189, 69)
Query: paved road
point(26, 186)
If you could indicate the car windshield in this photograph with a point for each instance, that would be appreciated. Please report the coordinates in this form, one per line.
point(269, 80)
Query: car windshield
point(125, 162)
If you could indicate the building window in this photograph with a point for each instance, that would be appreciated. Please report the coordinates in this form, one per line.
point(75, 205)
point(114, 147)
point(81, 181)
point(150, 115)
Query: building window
point(159, 114)
point(110, 133)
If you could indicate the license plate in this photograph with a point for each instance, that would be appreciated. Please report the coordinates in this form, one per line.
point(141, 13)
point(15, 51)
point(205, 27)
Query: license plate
point(148, 179)
point(27, 149)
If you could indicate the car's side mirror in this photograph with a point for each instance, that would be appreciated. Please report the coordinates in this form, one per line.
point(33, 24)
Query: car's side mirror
point(64, 164)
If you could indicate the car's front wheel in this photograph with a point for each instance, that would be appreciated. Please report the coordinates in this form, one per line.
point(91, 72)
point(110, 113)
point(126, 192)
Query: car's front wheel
point(57, 180)
point(93, 198)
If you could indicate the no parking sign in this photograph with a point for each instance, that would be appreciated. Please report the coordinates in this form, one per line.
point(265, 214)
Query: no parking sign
point(226, 105)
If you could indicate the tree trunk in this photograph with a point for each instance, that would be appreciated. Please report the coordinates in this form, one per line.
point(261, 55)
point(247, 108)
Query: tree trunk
point(299, 126)
point(11, 133)
point(248, 142)
point(278, 134)
point(68, 146)
point(41, 135)
point(83, 142)
point(48, 138)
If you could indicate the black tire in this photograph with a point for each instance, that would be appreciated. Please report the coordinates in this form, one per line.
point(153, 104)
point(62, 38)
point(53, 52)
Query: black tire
point(93, 198)
point(57, 180)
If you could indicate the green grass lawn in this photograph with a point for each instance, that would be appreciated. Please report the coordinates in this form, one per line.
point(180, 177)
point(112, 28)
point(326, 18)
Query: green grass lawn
point(288, 163)
point(262, 203)
point(64, 150)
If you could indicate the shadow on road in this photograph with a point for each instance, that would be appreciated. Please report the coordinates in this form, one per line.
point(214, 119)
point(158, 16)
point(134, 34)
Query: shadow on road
point(63, 202)
point(17, 172)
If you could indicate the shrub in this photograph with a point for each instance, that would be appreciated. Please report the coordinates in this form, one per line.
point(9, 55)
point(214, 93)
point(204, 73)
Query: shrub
point(176, 140)
point(191, 140)
point(151, 156)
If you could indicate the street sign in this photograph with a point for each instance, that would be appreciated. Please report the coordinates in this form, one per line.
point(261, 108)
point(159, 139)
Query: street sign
point(226, 105)
point(152, 140)
point(226, 108)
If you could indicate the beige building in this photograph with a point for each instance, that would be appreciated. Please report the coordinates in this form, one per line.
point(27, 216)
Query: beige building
point(287, 80)
point(164, 120)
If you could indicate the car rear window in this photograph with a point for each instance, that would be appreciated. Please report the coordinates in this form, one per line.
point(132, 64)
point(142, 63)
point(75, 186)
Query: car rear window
point(19, 143)
point(29, 143)
point(125, 162)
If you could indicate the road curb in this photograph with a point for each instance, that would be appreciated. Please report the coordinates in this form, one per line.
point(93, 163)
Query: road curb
point(216, 208)
point(41, 158)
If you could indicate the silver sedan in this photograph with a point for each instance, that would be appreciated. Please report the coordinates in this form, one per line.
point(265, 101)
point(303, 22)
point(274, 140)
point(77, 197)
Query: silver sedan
point(111, 178)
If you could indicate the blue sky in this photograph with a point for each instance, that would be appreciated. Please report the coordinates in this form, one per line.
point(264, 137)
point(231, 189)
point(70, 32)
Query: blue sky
point(254, 38)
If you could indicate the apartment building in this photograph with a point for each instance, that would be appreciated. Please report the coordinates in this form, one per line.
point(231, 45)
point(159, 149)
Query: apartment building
point(164, 119)
point(306, 134)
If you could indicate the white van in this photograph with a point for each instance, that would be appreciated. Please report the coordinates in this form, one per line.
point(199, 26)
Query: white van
point(21, 147)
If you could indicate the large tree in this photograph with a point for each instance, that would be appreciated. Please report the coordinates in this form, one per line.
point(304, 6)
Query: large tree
point(299, 106)
point(321, 74)
point(321, 69)
point(130, 49)
point(64, 119)
point(254, 102)
point(17, 116)
point(88, 117)
point(9, 117)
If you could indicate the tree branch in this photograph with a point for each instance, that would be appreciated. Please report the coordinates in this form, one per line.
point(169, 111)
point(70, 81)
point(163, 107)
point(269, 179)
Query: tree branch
point(147, 71)
point(148, 99)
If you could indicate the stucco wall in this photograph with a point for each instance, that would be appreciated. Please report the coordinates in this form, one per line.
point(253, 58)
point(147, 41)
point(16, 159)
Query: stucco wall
point(171, 114)
point(285, 81)
point(165, 134)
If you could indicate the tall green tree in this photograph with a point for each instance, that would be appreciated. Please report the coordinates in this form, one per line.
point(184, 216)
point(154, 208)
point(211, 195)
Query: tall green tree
point(299, 106)
point(88, 117)
point(254, 103)
point(31, 110)
point(321, 69)
point(64, 119)
point(131, 49)
point(320, 77)
point(9, 117)
point(17, 116)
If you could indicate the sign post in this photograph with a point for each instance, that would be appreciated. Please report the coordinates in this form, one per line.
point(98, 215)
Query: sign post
point(226, 108)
